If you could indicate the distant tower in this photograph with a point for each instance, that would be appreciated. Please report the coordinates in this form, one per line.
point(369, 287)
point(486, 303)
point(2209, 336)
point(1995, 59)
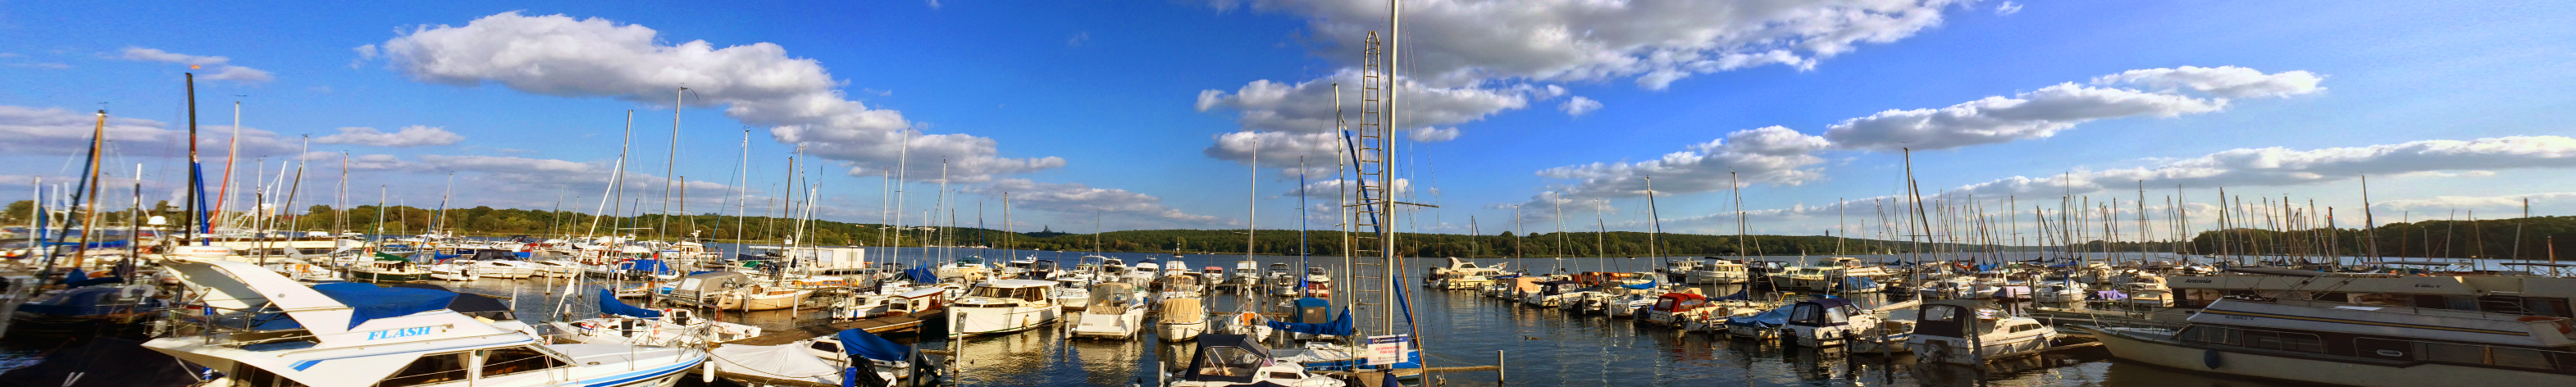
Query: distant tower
point(1046, 229)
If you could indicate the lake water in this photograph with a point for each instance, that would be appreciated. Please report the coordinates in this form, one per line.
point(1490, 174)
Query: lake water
point(1459, 328)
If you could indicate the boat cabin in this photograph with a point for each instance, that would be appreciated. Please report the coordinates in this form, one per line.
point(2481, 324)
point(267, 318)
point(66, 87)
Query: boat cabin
point(1679, 302)
point(1822, 312)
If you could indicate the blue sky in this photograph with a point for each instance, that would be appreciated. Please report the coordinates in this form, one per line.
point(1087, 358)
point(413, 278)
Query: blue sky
point(1120, 106)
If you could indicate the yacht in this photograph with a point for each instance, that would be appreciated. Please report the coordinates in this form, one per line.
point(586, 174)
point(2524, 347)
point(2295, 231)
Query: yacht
point(1679, 271)
point(1183, 312)
point(1283, 282)
point(1143, 272)
point(1461, 275)
point(1004, 306)
point(2354, 344)
point(760, 297)
point(505, 269)
point(1072, 295)
point(260, 328)
point(388, 271)
point(1115, 310)
point(1717, 271)
point(1247, 274)
point(627, 324)
point(1974, 332)
point(1319, 283)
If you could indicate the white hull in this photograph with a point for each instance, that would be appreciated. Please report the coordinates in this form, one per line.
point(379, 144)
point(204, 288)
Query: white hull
point(1169, 331)
point(972, 321)
point(1111, 326)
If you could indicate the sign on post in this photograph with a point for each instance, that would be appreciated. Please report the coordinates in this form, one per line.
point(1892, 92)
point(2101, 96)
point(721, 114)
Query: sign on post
point(1387, 350)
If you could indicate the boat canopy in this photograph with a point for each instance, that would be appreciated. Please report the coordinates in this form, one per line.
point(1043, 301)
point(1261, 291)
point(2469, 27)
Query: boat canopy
point(859, 343)
point(1953, 318)
point(922, 275)
point(609, 304)
point(1821, 312)
point(370, 302)
point(1183, 310)
point(1643, 286)
point(1226, 358)
point(649, 265)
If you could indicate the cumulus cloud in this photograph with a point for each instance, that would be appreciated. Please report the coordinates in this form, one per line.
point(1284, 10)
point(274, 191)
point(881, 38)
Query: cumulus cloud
point(1656, 42)
point(2223, 81)
point(377, 162)
point(1430, 134)
point(1775, 155)
point(2510, 203)
point(57, 131)
point(2044, 112)
point(2007, 8)
point(2277, 166)
point(519, 175)
point(224, 70)
point(1079, 199)
point(758, 84)
point(1298, 119)
point(1577, 106)
point(408, 136)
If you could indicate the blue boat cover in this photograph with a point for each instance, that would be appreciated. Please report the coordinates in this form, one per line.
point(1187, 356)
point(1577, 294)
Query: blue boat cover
point(1341, 326)
point(1858, 283)
point(1647, 285)
point(922, 274)
point(860, 343)
point(650, 265)
point(1774, 317)
point(75, 275)
point(609, 304)
point(702, 272)
point(93, 281)
point(373, 302)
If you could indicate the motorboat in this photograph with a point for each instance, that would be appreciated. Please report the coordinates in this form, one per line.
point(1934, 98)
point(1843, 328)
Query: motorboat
point(914, 301)
point(1071, 295)
point(1827, 322)
point(1222, 360)
point(627, 324)
point(1462, 275)
point(758, 297)
point(1549, 293)
point(388, 271)
point(704, 289)
point(1629, 305)
point(891, 364)
point(1717, 271)
point(969, 269)
point(1114, 310)
point(1182, 319)
point(504, 269)
point(1213, 275)
point(1003, 306)
point(1764, 325)
point(1247, 274)
point(1678, 271)
point(1283, 282)
point(1319, 283)
point(255, 327)
point(1672, 309)
point(2355, 344)
point(1143, 272)
point(1974, 332)
point(2058, 292)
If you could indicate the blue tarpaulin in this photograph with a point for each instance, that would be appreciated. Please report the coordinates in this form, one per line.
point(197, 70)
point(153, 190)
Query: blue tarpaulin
point(1769, 318)
point(1341, 326)
point(859, 343)
point(373, 302)
point(92, 281)
point(75, 275)
point(609, 304)
point(650, 265)
point(922, 275)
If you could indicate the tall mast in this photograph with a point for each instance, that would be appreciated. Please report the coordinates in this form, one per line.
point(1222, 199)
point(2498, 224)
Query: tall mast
point(1655, 220)
point(669, 165)
point(89, 190)
point(1252, 200)
point(616, 179)
point(196, 175)
point(223, 195)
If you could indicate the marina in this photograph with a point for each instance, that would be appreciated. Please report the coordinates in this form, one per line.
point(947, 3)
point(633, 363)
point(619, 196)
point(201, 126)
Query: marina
point(238, 256)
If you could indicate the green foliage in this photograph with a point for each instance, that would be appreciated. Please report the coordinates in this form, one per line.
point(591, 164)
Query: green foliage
point(2495, 238)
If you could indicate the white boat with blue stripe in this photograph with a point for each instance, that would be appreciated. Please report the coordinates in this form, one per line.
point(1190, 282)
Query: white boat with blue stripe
point(261, 329)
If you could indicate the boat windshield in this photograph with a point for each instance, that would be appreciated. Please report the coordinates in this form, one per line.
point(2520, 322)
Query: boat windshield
point(1110, 302)
point(1228, 361)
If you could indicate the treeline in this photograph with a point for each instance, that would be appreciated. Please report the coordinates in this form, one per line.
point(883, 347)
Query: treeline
point(2517, 238)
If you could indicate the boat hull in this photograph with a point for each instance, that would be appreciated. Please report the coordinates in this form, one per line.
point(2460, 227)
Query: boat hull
point(2177, 356)
point(380, 277)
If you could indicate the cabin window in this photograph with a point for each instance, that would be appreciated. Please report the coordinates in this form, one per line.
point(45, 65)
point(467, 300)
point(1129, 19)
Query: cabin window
point(826, 346)
point(507, 361)
point(429, 369)
point(2554, 307)
point(1228, 361)
point(2285, 341)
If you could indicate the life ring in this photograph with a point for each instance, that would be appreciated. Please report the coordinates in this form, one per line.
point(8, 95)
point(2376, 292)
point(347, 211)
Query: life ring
point(2210, 358)
point(2563, 326)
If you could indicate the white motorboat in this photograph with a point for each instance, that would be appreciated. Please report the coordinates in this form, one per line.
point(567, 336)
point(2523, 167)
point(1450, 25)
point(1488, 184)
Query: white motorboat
point(1183, 319)
point(1319, 283)
point(504, 269)
point(1003, 306)
point(257, 327)
point(1071, 295)
point(1115, 310)
point(1974, 332)
point(1717, 271)
point(761, 297)
point(1828, 322)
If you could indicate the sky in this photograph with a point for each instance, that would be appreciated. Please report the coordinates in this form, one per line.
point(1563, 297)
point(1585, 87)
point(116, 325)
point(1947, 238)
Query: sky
point(1149, 115)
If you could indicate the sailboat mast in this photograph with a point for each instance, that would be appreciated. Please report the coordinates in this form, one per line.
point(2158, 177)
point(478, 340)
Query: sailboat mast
point(196, 176)
point(669, 165)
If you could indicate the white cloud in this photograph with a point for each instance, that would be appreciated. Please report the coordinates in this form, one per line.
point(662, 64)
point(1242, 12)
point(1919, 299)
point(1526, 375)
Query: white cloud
point(1079, 199)
point(2223, 81)
point(1577, 106)
point(57, 131)
point(1775, 155)
point(758, 84)
point(2278, 166)
point(2007, 8)
point(2044, 112)
point(1298, 119)
point(2511, 204)
point(408, 136)
point(224, 70)
point(1431, 134)
point(1657, 42)
point(1078, 39)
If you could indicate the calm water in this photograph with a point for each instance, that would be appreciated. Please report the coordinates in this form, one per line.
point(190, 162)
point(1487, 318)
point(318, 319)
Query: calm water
point(1460, 328)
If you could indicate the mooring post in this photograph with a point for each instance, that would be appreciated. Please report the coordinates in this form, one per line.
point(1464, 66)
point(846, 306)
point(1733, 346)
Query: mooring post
point(1500, 368)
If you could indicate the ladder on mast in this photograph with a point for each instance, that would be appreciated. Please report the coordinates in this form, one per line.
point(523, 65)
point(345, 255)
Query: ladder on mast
point(1370, 213)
